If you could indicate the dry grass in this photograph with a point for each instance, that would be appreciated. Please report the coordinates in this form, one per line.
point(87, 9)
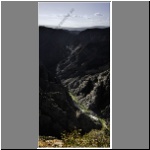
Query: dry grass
point(48, 142)
point(95, 138)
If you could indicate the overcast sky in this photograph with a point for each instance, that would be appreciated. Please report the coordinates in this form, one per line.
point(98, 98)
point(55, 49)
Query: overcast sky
point(74, 14)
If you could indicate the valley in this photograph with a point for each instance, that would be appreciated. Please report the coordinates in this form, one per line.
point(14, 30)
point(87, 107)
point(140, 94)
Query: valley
point(74, 84)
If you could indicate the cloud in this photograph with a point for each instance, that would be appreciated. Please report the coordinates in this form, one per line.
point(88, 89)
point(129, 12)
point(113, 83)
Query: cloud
point(85, 16)
point(98, 14)
point(61, 16)
point(74, 16)
point(79, 16)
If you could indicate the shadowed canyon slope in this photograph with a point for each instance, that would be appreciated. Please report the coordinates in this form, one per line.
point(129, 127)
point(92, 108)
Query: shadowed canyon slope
point(74, 79)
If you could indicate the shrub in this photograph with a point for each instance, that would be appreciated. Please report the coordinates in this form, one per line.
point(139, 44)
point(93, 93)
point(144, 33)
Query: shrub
point(95, 138)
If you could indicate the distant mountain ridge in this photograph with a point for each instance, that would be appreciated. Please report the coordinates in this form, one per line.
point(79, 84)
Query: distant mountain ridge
point(76, 28)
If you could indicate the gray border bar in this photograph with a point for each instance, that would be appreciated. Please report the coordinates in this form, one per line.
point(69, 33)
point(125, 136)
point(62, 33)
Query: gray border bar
point(20, 71)
point(130, 75)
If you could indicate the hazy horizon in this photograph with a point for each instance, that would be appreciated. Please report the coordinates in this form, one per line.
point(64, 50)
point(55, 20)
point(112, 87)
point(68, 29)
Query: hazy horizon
point(75, 29)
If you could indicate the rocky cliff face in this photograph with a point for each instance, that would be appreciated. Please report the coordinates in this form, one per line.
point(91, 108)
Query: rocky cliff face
point(92, 91)
point(74, 80)
point(58, 112)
